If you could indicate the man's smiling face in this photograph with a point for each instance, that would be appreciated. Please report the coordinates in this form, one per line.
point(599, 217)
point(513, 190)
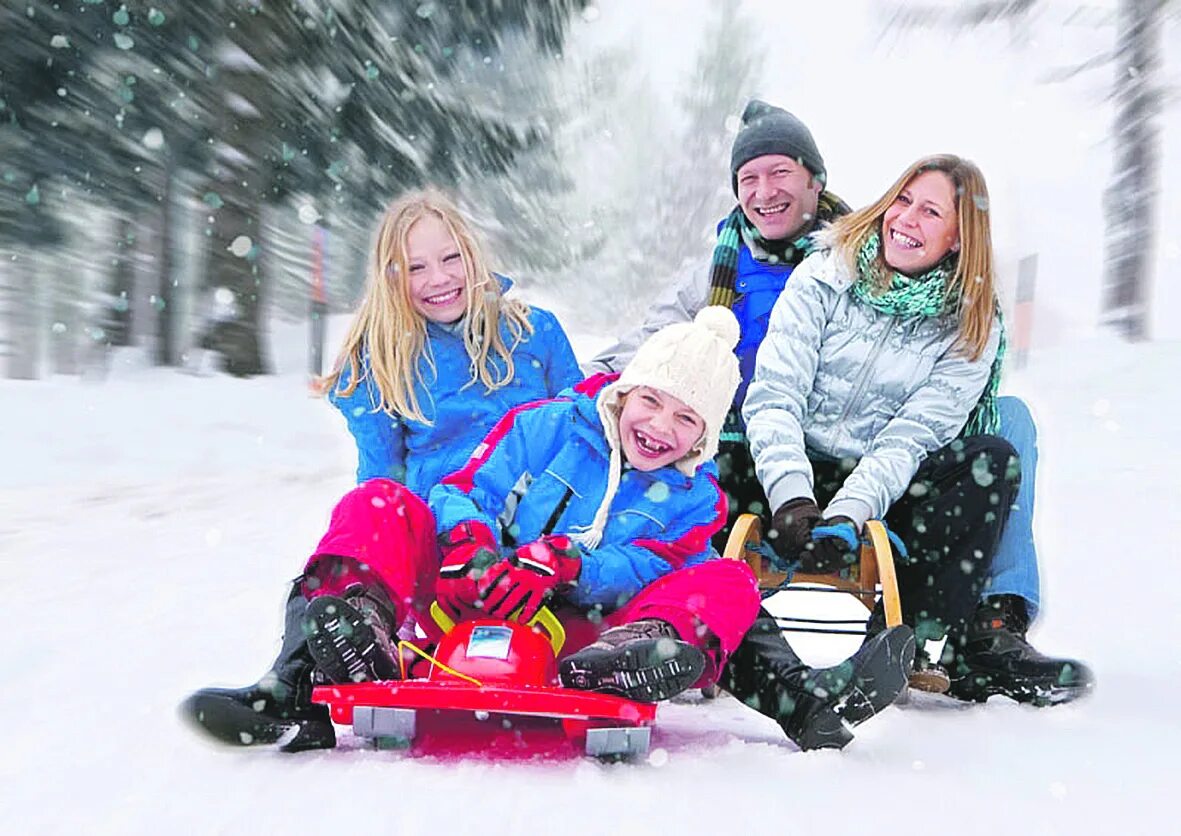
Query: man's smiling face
point(778, 195)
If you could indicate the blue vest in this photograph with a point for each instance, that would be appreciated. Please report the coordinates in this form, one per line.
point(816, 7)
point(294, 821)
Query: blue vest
point(758, 286)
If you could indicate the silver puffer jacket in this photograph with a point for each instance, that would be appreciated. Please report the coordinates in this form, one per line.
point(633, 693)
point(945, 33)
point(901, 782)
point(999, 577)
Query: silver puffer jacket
point(837, 379)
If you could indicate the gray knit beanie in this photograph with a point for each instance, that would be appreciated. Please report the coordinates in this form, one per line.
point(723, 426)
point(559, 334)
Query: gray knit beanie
point(767, 129)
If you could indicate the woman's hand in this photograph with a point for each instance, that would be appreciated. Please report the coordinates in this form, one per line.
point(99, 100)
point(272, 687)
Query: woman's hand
point(820, 546)
point(834, 546)
point(791, 527)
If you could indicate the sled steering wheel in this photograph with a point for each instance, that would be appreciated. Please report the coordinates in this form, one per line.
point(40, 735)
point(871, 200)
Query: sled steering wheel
point(545, 620)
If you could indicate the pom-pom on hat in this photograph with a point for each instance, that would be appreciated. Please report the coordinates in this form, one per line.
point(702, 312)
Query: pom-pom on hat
point(767, 129)
point(695, 363)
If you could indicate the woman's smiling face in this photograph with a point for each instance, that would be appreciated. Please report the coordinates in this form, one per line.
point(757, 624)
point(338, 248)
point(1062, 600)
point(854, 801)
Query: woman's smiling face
point(921, 226)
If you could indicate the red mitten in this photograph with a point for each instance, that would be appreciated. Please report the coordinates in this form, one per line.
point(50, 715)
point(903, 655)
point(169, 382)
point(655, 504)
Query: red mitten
point(469, 551)
point(529, 577)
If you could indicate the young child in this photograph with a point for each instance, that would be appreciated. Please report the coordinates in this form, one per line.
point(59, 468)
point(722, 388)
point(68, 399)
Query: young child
point(434, 357)
point(435, 354)
point(603, 500)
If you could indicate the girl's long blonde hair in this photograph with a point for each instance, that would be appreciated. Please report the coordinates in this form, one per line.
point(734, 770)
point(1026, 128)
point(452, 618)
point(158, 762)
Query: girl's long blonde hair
point(393, 335)
point(973, 285)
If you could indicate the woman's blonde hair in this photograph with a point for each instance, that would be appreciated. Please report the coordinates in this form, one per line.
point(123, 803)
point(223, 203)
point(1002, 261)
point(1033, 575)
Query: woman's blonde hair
point(393, 334)
point(972, 285)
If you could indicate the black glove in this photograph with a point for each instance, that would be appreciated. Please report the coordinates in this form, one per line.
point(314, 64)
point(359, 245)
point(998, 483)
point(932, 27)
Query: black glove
point(834, 546)
point(791, 528)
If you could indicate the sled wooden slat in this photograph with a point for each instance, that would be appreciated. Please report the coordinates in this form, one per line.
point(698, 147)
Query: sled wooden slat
point(875, 568)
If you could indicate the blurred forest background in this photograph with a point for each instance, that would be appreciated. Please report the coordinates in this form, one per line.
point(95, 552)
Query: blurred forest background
point(175, 175)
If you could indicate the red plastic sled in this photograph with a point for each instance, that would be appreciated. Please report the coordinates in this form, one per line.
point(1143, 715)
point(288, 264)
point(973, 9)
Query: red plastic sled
point(492, 688)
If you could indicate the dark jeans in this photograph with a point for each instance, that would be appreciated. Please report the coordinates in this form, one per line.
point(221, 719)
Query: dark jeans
point(950, 518)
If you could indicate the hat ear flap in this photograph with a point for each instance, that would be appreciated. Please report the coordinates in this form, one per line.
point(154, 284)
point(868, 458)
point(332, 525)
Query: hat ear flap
point(693, 458)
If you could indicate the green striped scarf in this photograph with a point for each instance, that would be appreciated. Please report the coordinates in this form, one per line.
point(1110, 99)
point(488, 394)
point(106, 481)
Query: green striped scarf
point(926, 295)
point(723, 271)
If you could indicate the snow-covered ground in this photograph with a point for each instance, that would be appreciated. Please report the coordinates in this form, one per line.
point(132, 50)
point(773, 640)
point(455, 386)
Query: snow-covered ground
point(148, 526)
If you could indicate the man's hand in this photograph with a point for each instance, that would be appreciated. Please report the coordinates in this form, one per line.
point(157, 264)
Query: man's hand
point(834, 546)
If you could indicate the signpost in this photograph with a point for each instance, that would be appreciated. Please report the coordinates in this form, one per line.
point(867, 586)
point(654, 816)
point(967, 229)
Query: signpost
point(1023, 311)
point(319, 301)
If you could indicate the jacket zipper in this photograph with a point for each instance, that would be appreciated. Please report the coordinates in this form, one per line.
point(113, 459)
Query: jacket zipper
point(866, 368)
point(557, 514)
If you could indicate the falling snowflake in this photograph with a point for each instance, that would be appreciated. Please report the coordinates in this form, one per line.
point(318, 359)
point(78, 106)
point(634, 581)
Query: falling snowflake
point(982, 473)
point(657, 492)
point(241, 246)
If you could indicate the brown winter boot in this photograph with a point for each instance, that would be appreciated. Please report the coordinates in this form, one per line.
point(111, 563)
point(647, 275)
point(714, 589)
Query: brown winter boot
point(349, 637)
point(644, 661)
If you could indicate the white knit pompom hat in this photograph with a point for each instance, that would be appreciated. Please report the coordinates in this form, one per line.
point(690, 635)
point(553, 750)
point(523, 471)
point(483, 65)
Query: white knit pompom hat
point(695, 363)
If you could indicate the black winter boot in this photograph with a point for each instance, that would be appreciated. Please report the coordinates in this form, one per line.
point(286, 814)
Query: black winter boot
point(349, 637)
point(276, 709)
point(926, 674)
point(817, 707)
point(644, 661)
point(995, 658)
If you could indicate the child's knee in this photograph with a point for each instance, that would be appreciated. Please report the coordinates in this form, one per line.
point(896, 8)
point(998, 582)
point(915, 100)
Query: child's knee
point(739, 583)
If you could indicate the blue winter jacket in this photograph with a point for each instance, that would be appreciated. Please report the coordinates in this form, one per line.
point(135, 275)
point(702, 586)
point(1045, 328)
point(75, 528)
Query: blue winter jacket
point(543, 470)
point(460, 412)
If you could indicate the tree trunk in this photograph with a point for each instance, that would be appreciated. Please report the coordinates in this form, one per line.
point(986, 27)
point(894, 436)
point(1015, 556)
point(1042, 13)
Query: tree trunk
point(235, 235)
point(235, 336)
point(1131, 198)
point(118, 321)
point(65, 327)
point(167, 311)
point(23, 315)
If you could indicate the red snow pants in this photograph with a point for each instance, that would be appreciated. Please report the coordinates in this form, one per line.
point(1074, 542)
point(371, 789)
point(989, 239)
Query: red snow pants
point(382, 534)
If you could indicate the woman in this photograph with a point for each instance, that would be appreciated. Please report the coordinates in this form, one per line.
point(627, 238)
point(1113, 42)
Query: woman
point(875, 396)
point(434, 357)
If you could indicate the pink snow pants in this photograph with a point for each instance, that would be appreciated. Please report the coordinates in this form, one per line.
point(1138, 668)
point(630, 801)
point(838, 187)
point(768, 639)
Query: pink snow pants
point(382, 534)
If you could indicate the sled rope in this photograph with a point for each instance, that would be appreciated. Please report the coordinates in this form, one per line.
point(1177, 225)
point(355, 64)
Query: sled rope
point(412, 646)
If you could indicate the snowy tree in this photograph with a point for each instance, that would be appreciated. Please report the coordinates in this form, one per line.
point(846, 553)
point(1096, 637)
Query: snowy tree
point(697, 191)
point(1138, 96)
point(36, 76)
point(670, 180)
point(385, 121)
point(344, 104)
point(1132, 195)
point(526, 212)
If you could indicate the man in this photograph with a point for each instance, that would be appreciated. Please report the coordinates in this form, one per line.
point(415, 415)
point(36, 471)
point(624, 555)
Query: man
point(779, 178)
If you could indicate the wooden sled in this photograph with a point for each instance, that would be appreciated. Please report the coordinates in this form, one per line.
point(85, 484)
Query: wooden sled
point(870, 579)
